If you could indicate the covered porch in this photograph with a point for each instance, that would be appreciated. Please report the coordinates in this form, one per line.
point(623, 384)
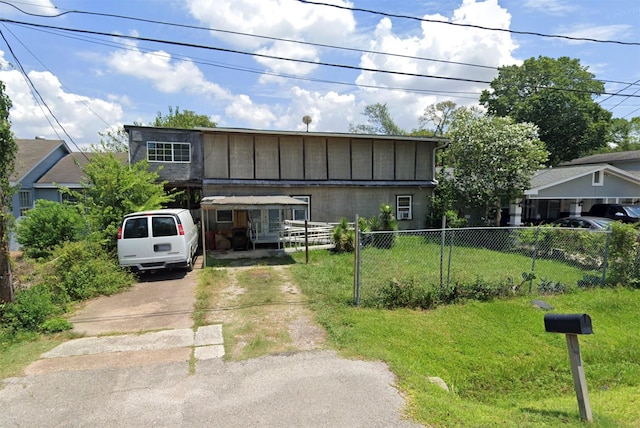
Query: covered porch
point(242, 222)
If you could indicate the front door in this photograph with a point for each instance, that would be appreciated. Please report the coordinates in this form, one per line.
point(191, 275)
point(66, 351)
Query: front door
point(265, 225)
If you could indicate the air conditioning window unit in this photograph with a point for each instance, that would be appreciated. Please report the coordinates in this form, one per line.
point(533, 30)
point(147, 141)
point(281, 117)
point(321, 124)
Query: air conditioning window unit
point(403, 215)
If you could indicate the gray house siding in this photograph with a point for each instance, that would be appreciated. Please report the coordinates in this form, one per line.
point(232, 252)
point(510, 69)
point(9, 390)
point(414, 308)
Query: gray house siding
point(583, 188)
point(342, 174)
point(330, 203)
point(173, 172)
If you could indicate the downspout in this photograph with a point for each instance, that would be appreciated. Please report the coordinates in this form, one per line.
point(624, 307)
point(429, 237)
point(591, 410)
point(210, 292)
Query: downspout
point(433, 161)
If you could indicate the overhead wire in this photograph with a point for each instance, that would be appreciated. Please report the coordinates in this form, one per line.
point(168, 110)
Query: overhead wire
point(480, 27)
point(263, 55)
point(39, 99)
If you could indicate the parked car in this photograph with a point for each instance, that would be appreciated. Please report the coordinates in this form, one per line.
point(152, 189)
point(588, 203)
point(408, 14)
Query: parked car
point(159, 239)
point(623, 213)
point(584, 222)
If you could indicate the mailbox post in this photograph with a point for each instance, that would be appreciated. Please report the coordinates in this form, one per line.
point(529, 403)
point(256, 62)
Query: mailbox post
point(572, 325)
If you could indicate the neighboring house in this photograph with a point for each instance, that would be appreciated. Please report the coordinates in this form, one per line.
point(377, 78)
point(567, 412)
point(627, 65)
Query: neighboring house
point(337, 175)
point(573, 187)
point(34, 158)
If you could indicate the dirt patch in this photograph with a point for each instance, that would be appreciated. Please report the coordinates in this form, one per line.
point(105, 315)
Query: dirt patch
point(279, 320)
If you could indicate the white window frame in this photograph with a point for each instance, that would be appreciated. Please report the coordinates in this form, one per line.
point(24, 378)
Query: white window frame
point(25, 200)
point(218, 220)
point(404, 207)
point(597, 178)
point(166, 152)
point(306, 211)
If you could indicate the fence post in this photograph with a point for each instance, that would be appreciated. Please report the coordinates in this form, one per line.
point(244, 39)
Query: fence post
point(606, 258)
point(453, 234)
point(533, 258)
point(306, 241)
point(444, 224)
point(357, 265)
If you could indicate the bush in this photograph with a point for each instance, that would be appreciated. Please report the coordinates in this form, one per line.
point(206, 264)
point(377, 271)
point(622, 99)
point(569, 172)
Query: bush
point(624, 256)
point(32, 307)
point(48, 225)
point(344, 238)
point(405, 294)
point(81, 270)
point(55, 325)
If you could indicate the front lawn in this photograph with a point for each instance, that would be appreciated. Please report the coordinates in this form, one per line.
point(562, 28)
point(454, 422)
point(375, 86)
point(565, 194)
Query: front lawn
point(500, 365)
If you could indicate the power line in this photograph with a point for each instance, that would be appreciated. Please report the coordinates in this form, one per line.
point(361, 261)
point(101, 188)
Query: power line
point(305, 43)
point(480, 27)
point(39, 99)
point(235, 51)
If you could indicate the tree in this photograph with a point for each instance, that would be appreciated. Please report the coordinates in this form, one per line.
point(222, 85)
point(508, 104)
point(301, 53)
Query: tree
point(183, 119)
point(556, 95)
point(379, 122)
point(494, 158)
point(8, 149)
point(440, 115)
point(112, 189)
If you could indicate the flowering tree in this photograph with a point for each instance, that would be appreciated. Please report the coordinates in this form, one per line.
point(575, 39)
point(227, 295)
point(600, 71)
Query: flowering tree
point(494, 158)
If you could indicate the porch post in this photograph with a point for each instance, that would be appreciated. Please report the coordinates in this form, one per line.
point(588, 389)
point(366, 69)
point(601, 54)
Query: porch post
point(515, 213)
point(575, 209)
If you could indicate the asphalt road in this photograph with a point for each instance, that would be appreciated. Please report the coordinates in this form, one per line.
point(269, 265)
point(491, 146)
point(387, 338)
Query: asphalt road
point(156, 372)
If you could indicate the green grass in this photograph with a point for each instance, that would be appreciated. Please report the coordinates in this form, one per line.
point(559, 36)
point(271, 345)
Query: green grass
point(413, 258)
point(501, 366)
point(15, 355)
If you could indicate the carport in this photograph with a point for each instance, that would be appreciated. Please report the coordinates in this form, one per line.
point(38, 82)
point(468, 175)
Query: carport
point(261, 218)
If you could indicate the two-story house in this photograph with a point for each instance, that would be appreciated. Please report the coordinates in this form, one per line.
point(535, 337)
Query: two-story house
point(337, 175)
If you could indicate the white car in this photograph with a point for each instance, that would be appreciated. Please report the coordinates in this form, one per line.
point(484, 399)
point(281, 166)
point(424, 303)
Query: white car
point(159, 239)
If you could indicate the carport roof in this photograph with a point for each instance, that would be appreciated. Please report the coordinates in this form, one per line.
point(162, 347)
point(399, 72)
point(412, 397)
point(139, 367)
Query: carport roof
point(249, 202)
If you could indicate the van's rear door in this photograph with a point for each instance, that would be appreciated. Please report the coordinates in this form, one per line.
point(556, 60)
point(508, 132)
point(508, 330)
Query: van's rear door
point(151, 241)
point(168, 243)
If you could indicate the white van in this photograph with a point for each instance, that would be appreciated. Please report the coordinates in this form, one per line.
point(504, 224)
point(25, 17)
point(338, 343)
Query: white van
point(159, 239)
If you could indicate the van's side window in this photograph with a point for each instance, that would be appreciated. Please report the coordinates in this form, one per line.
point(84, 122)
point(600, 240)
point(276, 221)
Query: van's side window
point(164, 226)
point(136, 228)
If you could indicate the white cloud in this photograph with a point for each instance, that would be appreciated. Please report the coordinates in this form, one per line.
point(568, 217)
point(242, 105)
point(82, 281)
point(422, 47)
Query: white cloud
point(166, 74)
point(244, 110)
point(455, 43)
point(282, 19)
point(330, 112)
point(82, 117)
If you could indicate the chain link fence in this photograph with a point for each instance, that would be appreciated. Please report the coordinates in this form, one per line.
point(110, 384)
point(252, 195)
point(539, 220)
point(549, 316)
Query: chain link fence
point(492, 261)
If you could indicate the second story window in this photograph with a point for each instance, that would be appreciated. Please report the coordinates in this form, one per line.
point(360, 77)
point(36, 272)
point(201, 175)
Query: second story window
point(26, 203)
point(168, 152)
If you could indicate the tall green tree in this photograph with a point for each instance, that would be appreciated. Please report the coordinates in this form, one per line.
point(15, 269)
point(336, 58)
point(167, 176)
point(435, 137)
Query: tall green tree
point(187, 119)
point(112, 188)
point(557, 96)
point(379, 122)
point(494, 158)
point(8, 149)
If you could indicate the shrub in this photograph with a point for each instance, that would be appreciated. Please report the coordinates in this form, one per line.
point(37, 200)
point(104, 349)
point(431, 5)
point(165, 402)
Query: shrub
point(81, 270)
point(343, 237)
point(624, 256)
point(47, 225)
point(55, 325)
point(405, 294)
point(31, 308)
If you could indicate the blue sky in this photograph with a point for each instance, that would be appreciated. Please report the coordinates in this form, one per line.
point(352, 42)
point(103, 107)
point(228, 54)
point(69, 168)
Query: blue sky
point(95, 82)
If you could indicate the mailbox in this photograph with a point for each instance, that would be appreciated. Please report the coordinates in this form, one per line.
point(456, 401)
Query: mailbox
point(568, 323)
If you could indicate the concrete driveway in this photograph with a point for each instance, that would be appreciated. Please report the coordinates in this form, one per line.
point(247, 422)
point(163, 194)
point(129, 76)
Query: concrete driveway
point(151, 369)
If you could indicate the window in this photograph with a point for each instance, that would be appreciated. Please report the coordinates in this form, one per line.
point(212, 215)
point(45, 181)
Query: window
point(404, 207)
point(224, 216)
point(597, 178)
point(163, 226)
point(25, 201)
point(302, 214)
point(168, 152)
point(136, 228)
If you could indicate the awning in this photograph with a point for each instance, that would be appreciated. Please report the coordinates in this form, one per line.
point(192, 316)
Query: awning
point(250, 202)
